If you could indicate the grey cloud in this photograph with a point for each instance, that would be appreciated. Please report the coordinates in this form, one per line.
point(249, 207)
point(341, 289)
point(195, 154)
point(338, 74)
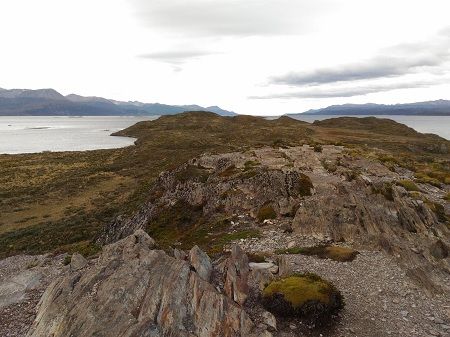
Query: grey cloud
point(394, 61)
point(380, 67)
point(321, 92)
point(175, 57)
point(230, 17)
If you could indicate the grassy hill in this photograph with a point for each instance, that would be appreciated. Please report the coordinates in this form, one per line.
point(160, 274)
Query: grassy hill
point(60, 201)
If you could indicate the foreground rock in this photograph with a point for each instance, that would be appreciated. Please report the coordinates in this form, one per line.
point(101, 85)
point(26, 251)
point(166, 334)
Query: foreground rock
point(23, 280)
point(136, 290)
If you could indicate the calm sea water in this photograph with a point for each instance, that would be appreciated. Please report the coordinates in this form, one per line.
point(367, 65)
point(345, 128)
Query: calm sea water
point(37, 134)
point(439, 125)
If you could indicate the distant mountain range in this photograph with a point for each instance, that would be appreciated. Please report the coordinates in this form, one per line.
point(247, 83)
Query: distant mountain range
point(49, 102)
point(431, 108)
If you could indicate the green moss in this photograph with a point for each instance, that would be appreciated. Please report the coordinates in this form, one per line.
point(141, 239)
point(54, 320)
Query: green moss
point(302, 295)
point(424, 178)
point(266, 212)
point(297, 290)
point(408, 185)
point(447, 197)
point(336, 253)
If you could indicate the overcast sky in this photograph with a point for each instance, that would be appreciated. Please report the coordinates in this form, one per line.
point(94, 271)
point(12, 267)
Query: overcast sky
point(254, 56)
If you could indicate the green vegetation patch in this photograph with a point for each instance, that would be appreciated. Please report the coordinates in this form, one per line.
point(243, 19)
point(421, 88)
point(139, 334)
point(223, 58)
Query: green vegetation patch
point(184, 226)
point(306, 296)
point(408, 185)
point(336, 253)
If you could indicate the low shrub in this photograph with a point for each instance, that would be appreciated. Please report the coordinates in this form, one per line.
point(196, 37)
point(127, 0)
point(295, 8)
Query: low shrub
point(266, 212)
point(306, 296)
point(305, 185)
point(385, 189)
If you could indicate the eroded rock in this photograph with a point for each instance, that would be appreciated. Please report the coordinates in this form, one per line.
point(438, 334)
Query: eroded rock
point(135, 290)
point(237, 270)
point(201, 262)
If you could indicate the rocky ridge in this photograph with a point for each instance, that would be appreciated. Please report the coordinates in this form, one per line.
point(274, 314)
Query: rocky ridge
point(353, 199)
point(134, 289)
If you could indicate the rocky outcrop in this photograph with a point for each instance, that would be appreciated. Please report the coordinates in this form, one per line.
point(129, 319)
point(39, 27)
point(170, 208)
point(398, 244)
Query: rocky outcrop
point(201, 263)
point(236, 279)
point(332, 196)
point(133, 289)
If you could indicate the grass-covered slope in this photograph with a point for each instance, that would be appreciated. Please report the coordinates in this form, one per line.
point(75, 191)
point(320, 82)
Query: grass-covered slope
point(60, 201)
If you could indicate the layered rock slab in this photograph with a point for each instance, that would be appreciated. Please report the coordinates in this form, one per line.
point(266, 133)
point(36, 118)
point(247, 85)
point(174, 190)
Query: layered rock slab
point(136, 290)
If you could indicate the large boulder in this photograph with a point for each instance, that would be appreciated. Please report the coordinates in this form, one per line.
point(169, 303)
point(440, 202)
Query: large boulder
point(135, 290)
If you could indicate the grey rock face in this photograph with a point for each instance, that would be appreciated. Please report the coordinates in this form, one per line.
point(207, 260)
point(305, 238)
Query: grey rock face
point(201, 263)
point(135, 290)
point(77, 262)
point(236, 279)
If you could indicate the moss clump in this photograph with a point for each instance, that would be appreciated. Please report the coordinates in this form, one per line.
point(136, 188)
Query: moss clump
point(408, 185)
point(447, 197)
point(336, 253)
point(266, 212)
point(306, 296)
point(305, 185)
